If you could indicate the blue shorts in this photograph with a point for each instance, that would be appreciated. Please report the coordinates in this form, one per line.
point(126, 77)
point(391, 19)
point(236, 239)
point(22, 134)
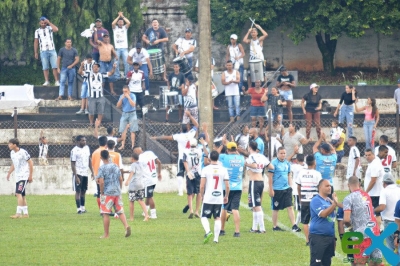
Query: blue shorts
point(48, 58)
point(130, 118)
point(107, 67)
point(84, 90)
point(287, 95)
point(257, 111)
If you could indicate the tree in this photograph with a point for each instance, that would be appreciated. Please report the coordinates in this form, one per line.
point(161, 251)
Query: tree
point(326, 20)
point(19, 20)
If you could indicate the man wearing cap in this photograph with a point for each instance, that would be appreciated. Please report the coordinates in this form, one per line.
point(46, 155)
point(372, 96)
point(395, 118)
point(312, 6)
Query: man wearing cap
point(48, 55)
point(285, 83)
point(66, 61)
point(155, 36)
point(135, 80)
point(388, 198)
point(120, 27)
point(185, 46)
point(107, 52)
point(140, 54)
point(234, 162)
point(127, 102)
point(235, 53)
point(99, 31)
point(325, 158)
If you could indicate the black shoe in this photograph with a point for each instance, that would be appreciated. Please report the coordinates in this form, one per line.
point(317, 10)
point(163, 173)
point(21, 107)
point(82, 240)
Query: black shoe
point(191, 215)
point(185, 209)
point(236, 234)
point(295, 228)
point(253, 231)
point(222, 232)
point(261, 232)
point(277, 229)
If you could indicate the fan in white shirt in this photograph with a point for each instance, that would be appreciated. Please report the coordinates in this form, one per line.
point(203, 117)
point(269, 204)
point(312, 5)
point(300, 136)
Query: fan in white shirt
point(387, 156)
point(354, 162)
point(297, 165)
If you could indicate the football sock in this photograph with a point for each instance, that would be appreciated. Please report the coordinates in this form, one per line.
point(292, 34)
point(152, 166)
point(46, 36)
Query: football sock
point(261, 220)
point(206, 224)
point(83, 202)
point(217, 229)
point(153, 213)
point(254, 221)
point(19, 209)
point(25, 209)
point(298, 217)
point(98, 202)
point(78, 203)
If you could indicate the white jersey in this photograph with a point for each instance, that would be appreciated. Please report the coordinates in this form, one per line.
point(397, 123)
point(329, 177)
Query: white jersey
point(148, 158)
point(233, 88)
point(183, 141)
point(234, 51)
point(193, 157)
point(45, 39)
point(135, 80)
point(256, 50)
point(184, 45)
point(260, 160)
point(139, 57)
point(389, 160)
point(375, 169)
point(308, 179)
point(87, 69)
point(20, 161)
point(242, 141)
point(295, 167)
point(81, 158)
point(120, 37)
point(190, 100)
point(215, 176)
point(95, 84)
point(353, 155)
point(43, 149)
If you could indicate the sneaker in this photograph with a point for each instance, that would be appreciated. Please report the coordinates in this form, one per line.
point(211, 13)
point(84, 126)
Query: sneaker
point(83, 211)
point(180, 194)
point(207, 237)
point(295, 228)
point(185, 209)
point(261, 232)
point(16, 216)
point(80, 112)
point(191, 215)
point(128, 231)
point(236, 235)
point(86, 112)
point(277, 229)
point(25, 216)
point(222, 232)
point(57, 83)
point(153, 217)
point(254, 231)
point(46, 83)
point(215, 241)
point(146, 92)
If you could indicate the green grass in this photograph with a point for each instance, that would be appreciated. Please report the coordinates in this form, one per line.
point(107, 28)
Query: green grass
point(55, 235)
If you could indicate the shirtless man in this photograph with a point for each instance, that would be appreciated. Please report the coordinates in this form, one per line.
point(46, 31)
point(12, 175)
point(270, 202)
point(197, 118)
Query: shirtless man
point(107, 52)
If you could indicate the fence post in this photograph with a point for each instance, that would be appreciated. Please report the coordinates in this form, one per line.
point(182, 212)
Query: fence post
point(144, 111)
point(397, 127)
point(15, 122)
point(270, 152)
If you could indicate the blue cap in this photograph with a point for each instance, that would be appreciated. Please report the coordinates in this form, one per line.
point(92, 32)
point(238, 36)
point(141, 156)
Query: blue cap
point(42, 18)
point(326, 147)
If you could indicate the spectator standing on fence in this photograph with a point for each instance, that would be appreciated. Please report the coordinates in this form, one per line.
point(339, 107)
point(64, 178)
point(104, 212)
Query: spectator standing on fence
point(127, 102)
point(311, 109)
point(67, 59)
point(23, 167)
point(48, 55)
point(135, 80)
point(371, 121)
point(354, 161)
point(258, 98)
point(276, 103)
point(96, 101)
point(87, 68)
point(345, 108)
point(325, 158)
point(293, 140)
point(389, 162)
point(235, 53)
point(277, 133)
point(189, 93)
point(107, 52)
point(230, 78)
point(285, 83)
point(43, 149)
point(120, 27)
point(140, 54)
point(99, 31)
point(256, 43)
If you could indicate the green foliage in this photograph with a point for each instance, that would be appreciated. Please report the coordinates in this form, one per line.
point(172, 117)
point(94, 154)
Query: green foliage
point(19, 20)
point(19, 75)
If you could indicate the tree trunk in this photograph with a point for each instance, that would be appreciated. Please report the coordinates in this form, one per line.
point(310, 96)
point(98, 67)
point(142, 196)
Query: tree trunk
point(327, 49)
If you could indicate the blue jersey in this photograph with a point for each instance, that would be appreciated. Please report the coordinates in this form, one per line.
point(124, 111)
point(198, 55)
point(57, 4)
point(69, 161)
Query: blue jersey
point(326, 164)
point(280, 179)
point(235, 165)
point(320, 225)
point(260, 144)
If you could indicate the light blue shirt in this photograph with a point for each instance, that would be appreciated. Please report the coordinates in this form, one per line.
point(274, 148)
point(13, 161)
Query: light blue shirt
point(280, 179)
point(126, 106)
point(260, 144)
point(326, 164)
point(235, 165)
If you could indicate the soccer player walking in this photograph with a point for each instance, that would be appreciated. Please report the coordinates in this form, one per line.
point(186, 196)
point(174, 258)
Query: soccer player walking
point(23, 166)
point(212, 177)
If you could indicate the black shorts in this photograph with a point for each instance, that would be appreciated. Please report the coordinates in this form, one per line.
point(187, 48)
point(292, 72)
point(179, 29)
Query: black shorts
point(296, 202)
point(233, 200)
point(193, 186)
point(148, 191)
point(82, 186)
point(375, 203)
point(211, 209)
point(181, 168)
point(305, 213)
point(20, 187)
point(256, 189)
point(322, 249)
point(139, 98)
point(282, 199)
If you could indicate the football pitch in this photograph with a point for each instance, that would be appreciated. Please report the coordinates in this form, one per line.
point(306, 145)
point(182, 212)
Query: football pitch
point(55, 235)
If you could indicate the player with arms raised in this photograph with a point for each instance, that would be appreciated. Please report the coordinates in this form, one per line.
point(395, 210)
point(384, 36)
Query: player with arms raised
point(212, 177)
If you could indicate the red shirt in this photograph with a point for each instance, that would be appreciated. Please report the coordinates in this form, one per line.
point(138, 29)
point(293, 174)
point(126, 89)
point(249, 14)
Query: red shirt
point(256, 97)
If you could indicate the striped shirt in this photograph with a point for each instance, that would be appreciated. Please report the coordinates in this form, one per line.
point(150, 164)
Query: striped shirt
point(87, 69)
point(95, 84)
point(308, 179)
point(45, 38)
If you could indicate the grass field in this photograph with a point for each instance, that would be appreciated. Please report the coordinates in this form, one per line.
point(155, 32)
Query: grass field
point(55, 235)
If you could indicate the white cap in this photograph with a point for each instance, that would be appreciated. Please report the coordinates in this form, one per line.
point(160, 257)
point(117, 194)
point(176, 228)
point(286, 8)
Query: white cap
point(193, 143)
point(234, 36)
point(314, 85)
